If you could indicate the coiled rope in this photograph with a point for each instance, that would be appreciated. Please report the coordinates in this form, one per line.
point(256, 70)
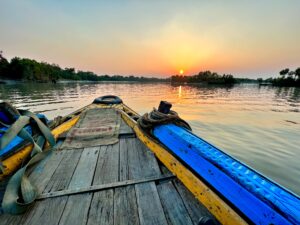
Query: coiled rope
point(149, 120)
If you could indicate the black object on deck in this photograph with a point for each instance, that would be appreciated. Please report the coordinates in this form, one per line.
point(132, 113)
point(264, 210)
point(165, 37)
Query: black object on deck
point(164, 107)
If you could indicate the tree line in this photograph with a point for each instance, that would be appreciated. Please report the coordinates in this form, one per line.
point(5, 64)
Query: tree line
point(31, 70)
point(287, 77)
point(205, 77)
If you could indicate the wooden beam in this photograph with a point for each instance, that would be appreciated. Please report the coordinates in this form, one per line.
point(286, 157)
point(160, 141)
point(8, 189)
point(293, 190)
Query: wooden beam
point(103, 186)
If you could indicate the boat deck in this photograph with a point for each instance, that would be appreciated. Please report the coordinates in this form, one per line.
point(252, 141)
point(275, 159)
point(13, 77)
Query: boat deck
point(115, 184)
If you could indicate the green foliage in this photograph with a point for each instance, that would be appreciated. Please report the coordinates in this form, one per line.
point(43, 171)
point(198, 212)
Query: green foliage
point(3, 65)
point(205, 77)
point(284, 72)
point(28, 69)
point(292, 80)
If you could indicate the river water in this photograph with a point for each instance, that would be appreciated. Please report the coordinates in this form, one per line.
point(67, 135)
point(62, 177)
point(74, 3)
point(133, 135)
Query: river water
point(260, 125)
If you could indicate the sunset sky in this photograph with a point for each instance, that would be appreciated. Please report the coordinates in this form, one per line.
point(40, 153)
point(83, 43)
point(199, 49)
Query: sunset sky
point(155, 38)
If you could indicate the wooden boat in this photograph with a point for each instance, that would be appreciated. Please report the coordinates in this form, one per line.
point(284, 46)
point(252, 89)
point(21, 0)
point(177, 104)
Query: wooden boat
point(169, 177)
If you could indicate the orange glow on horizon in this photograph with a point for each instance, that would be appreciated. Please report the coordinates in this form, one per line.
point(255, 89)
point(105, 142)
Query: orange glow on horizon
point(181, 72)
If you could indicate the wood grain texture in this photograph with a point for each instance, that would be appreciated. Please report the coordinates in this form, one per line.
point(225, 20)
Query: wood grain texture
point(102, 208)
point(149, 205)
point(43, 172)
point(125, 129)
point(195, 208)
point(141, 161)
point(125, 206)
point(77, 208)
point(107, 169)
point(84, 172)
point(123, 165)
point(61, 178)
point(173, 206)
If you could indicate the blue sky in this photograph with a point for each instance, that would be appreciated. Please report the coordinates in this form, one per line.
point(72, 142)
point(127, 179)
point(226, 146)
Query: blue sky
point(245, 38)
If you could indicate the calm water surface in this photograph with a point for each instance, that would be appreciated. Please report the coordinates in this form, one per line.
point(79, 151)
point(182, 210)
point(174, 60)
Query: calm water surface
point(258, 125)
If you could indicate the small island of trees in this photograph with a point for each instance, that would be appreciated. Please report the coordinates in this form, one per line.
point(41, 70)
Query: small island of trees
point(288, 78)
point(207, 77)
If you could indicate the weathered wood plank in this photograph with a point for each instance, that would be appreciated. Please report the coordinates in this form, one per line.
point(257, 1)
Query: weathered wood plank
point(173, 206)
point(141, 161)
point(102, 208)
point(123, 167)
point(84, 172)
point(43, 212)
point(125, 129)
point(46, 212)
point(125, 206)
point(149, 205)
point(63, 174)
point(43, 172)
point(107, 169)
point(76, 210)
point(195, 208)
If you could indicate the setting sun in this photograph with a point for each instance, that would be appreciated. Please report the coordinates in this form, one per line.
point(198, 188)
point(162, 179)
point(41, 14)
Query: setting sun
point(181, 71)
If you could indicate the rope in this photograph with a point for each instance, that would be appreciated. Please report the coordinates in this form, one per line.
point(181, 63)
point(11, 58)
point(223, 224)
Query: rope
point(149, 120)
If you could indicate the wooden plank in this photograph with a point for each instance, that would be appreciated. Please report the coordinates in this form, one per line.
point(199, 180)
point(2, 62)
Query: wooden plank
point(125, 129)
point(173, 206)
point(107, 169)
point(102, 208)
point(149, 205)
point(43, 172)
point(142, 164)
point(195, 208)
point(123, 166)
point(63, 174)
point(76, 210)
point(141, 161)
point(125, 206)
point(84, 173)
point(44, 212)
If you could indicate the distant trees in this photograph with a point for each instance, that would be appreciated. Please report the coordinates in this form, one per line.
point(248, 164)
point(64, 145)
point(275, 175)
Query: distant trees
point(284, 72)
point(288, 78)
point(205, 77)
point(3, 65)
point(29, 69)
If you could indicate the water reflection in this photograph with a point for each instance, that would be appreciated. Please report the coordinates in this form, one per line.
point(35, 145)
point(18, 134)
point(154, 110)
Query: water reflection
point(258, 124)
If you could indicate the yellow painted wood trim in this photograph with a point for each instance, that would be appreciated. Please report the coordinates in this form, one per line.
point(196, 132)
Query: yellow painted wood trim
point(13, 162)
point(221, 210)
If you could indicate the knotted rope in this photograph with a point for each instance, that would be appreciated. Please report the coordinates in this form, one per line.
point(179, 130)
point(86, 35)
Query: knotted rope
point(149, 120)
